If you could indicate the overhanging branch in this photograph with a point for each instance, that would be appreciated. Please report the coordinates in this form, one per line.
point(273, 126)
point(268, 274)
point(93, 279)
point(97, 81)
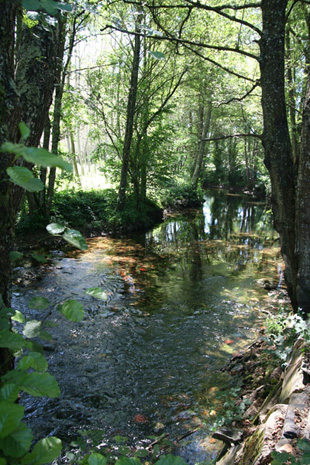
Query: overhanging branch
point(187, 42)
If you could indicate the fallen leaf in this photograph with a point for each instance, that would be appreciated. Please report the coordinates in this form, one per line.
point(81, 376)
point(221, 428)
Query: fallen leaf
point(139, 418)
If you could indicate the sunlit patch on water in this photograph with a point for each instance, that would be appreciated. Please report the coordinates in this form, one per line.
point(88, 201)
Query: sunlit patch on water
point(181, 300)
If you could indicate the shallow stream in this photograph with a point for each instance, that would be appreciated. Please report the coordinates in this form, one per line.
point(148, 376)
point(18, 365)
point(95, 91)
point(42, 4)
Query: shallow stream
point(182, 299)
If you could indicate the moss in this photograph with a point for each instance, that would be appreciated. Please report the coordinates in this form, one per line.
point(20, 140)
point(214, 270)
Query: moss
point(252, 447)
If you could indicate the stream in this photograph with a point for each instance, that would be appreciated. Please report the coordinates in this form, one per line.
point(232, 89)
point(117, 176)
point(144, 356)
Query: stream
point(182, 299)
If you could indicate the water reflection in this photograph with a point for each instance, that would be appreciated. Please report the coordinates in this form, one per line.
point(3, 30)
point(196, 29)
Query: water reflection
point(182, 298)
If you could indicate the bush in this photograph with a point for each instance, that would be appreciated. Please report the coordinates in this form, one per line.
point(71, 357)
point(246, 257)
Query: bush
point(93, 211)
point(181, 195)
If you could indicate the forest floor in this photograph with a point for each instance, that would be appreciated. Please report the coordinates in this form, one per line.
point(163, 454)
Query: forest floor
point(278, 415)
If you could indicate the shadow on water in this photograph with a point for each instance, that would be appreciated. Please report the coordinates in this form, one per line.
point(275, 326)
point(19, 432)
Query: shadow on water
point(181, 299)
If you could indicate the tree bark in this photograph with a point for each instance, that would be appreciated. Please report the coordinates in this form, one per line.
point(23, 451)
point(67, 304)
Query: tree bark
point(131, 107)
point(303, 209)
point(276, 140)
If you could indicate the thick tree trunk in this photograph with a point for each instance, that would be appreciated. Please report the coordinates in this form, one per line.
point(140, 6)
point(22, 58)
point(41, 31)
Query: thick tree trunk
point(9, 117)
point(131, 107)
point(303, 210)
point(276, 140)
point(24, 95)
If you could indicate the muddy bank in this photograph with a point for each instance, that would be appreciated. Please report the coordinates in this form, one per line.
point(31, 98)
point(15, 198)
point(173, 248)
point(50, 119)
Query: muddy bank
point(279, 412)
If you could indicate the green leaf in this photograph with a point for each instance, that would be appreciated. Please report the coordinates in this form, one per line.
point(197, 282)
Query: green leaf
point(10, 417)
point(65, 6)
point(24, 178)
point(46, 336)
point(279, 458)
point(12, 341)
point(75, 238)
point(45, 451)
point(72, 310)
point(304, 445)
point(128, 461)
point(44, 158)
point(31, 5)
point(32, 329)
point(39, 303)
point(33, 360)
point(18, 442)
point(120, 439)
point(170, 460)
point(39, 384)
point(49, 6)
point(141, 453)
point(9, 392)
point(17, 149)
point(55, 228)
point(15, 256)
point(24, 130)
point(157, 55)
point(3, 461)
point(96, 292)
point(39, 257)
point(97, 459)
point(19, 317)
point(4, 324)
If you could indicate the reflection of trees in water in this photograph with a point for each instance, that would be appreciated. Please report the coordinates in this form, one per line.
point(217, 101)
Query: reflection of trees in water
point(227, 229)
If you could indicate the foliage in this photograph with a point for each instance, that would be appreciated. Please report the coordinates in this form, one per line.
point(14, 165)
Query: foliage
point(92, 211)
point(178, 194)
point(231, 408)
point(30, 376)
point(21, 175)
point(282, 330)
point(281, 458)
point(118, 452)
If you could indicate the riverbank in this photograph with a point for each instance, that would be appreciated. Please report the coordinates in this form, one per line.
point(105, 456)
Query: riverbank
point(276, 426)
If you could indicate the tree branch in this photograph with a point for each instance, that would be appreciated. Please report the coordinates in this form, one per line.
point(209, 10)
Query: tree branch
point(218, 10)
point(188, 42)
point(239, 99)
point(251, 134)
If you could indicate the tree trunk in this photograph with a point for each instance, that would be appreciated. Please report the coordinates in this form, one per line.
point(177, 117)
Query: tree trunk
point(131, 107)
point(25, 95)
point(276, 140)
point(303, 209)
point(205, 128)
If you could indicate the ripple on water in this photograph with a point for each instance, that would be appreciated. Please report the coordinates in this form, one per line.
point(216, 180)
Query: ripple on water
point(181, 300)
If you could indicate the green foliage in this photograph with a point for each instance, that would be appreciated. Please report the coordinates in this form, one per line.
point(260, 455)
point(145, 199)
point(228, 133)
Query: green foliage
point(117, 452)
point(30, 375)
point(22, 176)
point(281, 458)
point(282, 330)
point(84, 210)
point(72, 310)
point(97, 292)
point(72, 236)
point(15, 437)
point(181, 195)
point(231, 409)
point(51, 7)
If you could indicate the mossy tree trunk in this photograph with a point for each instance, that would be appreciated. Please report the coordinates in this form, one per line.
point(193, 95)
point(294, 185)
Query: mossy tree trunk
point(26, 86)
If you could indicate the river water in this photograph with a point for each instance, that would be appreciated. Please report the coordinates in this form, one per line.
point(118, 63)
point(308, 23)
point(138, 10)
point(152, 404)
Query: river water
point(182, 299)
